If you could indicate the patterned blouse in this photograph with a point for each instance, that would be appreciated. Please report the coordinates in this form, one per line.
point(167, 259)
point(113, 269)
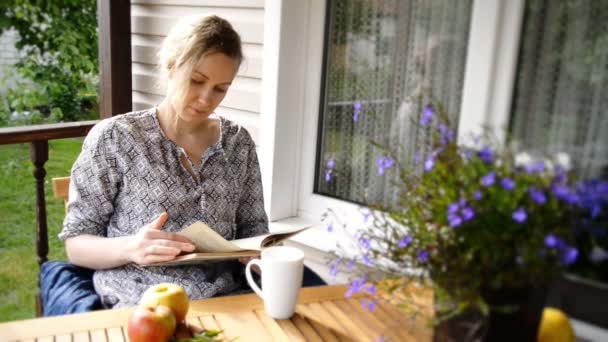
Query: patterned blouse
point(128, 172)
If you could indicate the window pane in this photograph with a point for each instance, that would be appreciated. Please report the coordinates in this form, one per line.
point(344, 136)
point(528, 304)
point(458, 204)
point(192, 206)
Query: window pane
point(561, 92)
point(384, 59)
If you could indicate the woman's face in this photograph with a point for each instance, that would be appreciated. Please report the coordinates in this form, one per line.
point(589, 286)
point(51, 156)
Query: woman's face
point(207, 85)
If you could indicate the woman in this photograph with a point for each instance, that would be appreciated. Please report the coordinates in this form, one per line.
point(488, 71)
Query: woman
point(145, 175)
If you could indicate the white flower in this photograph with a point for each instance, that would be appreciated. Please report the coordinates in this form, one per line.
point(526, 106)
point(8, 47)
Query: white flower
point(522, 159)
point(563, 159)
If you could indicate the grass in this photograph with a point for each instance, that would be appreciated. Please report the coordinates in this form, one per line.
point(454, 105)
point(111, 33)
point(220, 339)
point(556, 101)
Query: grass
point(18, 262)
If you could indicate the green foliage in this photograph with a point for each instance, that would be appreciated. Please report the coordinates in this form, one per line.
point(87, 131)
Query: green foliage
point(58, 43)
point(204, 336)
point(18, 284)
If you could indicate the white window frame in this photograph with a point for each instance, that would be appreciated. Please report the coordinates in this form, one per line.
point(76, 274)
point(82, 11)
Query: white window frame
point(294, 36)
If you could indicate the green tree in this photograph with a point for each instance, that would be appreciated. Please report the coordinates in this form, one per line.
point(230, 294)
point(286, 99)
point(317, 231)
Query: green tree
point(58, 43)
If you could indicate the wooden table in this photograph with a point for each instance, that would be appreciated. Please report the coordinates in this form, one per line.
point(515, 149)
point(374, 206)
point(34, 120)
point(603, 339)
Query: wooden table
point(322, 314)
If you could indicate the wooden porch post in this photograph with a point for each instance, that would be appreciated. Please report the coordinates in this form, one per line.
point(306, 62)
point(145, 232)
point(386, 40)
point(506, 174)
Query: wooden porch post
point(39, 154)
point(114, 22)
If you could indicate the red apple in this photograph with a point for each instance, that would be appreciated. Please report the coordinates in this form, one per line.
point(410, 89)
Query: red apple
point(151, 324)
point(171, 295)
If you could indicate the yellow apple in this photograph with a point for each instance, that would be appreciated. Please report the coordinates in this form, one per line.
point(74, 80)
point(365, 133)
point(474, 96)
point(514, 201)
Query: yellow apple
point(554, 327)
point(171, 295)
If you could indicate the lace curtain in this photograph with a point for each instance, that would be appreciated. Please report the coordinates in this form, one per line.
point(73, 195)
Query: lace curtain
point(385, 59)
point(561, 92)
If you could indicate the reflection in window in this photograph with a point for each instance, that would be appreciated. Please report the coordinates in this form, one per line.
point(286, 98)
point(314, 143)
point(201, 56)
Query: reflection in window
point(384, 60)
point(561, 92)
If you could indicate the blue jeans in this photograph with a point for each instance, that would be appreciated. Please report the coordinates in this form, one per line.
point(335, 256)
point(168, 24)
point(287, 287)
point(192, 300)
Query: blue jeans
point(66, 288)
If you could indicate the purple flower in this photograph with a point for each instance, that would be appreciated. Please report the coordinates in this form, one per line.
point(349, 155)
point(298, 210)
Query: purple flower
point(429, 163)
point(568, 255)
point(416, 158)
point(564, 193)
point(356, 111)
point(330, 227)
point(366, 216)
point(445, 134)
point(330, 163)
point(371, 289)
point(595, 210)
point(366, 260)
point(354, 287)
point(327, 176)
point(535, 167)
point(427, 115)
point(539, 166)
point(507, 184)
point(384, 163)
point(489, 179)
point(537, 195)
point(454, 220)
point(350, 264)
point(468, 213)
point(486, 155)
point(365, 243)
point(423, 255)
point(453, 208)
point(333, 271)
point(404, 242)
point(467, 154)
point(519, 215)
point(552, 241)
point(368, 304)
point(477, 195)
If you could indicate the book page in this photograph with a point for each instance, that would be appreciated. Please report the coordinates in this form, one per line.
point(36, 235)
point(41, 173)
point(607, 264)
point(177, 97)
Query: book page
point(267, 240)
point(207, 240)
point(197, 258)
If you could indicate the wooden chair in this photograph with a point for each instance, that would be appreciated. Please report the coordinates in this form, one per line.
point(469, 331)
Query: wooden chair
point(60, 187)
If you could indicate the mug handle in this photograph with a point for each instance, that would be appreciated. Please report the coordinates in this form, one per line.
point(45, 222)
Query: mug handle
point(250, 280)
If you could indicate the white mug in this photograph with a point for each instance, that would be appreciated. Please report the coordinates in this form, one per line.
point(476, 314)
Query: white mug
point(282, 268)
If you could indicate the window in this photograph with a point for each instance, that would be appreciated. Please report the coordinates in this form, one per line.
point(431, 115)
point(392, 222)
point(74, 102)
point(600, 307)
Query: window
point(561, 90)
point(384, 60)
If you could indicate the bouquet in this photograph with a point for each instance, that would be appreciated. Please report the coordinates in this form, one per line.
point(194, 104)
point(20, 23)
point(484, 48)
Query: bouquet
point(471, 218)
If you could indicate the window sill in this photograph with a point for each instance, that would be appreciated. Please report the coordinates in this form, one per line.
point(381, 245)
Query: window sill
point(315, 237)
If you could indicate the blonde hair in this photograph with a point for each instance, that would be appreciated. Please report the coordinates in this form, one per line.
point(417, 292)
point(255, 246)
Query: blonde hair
point(189, 41)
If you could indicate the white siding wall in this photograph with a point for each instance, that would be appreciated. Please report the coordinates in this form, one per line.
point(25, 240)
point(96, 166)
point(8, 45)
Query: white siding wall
point(151, 20)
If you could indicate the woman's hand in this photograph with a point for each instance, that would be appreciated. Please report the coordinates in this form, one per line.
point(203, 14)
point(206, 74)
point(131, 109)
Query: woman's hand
point(152, 245)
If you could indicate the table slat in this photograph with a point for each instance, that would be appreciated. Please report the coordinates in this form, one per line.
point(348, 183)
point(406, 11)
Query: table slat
point(317, 313)
point(380, 320)
point(271, 326)
point(305, 328)
point(81, 336)
point(99, 335)
point(360, 319)
point(353, 330)
point(115, 335)
point(63, 338)
point(293, 334)
point(242, 325)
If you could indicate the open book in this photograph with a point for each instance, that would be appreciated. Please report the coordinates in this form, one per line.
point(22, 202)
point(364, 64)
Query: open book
point(212, 246)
